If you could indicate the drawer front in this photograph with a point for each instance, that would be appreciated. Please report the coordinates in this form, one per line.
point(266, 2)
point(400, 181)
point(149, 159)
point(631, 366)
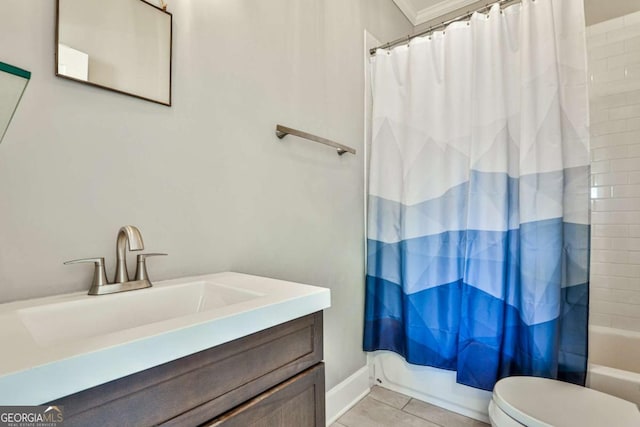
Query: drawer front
point(298, 402)
point(194, 389)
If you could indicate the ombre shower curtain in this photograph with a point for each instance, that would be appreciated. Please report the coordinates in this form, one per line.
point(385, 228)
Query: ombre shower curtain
point(478, 225)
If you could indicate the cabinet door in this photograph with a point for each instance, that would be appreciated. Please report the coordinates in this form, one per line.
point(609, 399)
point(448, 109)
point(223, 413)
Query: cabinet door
point(298, 402)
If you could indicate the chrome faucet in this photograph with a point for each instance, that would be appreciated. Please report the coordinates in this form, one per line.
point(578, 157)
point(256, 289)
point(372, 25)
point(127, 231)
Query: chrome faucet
point(127, 235)
point(132, 235)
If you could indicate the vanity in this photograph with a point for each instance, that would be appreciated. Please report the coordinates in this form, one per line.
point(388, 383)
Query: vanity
point(225, 349)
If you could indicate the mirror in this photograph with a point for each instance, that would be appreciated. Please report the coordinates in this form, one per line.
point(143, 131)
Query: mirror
point(120, 45)
point(13, 82)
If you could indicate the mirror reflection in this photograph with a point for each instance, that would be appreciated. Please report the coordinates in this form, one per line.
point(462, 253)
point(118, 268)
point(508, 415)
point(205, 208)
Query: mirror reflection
point(122, 45)
point(13, 82)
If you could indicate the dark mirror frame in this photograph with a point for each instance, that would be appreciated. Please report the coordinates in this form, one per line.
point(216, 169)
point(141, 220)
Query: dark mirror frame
point(168, 104)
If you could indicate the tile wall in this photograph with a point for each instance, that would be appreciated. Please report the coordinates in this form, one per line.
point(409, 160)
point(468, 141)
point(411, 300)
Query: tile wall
point(614, 67)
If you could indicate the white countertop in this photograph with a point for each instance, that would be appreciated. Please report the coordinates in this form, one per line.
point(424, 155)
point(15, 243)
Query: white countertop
point(35, 369)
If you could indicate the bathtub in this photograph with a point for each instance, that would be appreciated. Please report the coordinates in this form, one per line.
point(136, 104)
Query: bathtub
point(614, 362)
point(435, 386)
point(614, 368)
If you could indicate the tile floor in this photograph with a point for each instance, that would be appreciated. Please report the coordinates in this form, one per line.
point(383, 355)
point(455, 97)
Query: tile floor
point(385, 408)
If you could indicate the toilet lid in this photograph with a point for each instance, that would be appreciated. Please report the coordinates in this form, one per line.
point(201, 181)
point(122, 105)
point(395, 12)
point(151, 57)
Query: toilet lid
point(541, 402)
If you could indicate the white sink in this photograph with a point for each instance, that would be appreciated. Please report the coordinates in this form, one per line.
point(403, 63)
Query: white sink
point(95, 316)
point(60, 345)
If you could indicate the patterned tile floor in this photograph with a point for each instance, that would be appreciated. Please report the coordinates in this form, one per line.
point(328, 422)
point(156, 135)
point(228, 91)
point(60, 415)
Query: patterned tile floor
point(385, 408)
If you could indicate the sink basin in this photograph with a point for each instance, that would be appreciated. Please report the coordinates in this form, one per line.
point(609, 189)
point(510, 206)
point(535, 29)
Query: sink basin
point(60, 345)
point(51, 324)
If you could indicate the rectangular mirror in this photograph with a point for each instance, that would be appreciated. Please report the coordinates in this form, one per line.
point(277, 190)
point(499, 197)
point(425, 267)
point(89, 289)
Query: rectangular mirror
point(13, 82)
point(121, 45)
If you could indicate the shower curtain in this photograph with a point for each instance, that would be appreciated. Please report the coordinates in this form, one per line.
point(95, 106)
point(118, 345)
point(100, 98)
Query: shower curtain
point(478, 216)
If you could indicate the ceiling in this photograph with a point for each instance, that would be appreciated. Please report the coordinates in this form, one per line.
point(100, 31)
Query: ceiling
point(421, 11)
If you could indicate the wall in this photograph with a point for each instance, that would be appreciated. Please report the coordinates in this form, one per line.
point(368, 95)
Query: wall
point(455, 14)
point(206, 180)
point(599, 10)
point(614, 62)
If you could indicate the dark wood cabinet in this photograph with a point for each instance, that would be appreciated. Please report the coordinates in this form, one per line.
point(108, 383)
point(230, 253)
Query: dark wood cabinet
point(271, 378)
point(298, 402)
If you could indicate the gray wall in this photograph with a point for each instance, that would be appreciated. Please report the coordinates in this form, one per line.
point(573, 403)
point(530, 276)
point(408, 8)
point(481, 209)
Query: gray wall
point(601, 10)
point(206, 180)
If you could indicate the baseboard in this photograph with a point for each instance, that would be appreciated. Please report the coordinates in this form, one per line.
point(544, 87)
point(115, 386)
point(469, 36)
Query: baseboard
point(345, 395)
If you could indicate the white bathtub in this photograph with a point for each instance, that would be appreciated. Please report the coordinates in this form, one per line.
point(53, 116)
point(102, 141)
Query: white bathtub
point(614, 368)
point(614, 362)
point(435, 386)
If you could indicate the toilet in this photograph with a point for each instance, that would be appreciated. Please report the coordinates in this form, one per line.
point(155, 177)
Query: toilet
point(541, 402)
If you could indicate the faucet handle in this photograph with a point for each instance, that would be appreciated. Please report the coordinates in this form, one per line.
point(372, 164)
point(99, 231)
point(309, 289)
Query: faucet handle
point(99, 274)
point(141, 267)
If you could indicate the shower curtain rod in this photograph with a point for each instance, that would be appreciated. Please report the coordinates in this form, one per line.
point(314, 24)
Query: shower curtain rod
point(432, 28)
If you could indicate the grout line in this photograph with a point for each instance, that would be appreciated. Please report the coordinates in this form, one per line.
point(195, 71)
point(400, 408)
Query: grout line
point(399, 409)
point(405, 412)
point(384, 403)
point(409, 413)
point(405, 405)
point(422, 418)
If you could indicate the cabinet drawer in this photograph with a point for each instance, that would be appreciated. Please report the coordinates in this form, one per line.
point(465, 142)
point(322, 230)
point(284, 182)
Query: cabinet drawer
point(298, 402)
point(199, 387)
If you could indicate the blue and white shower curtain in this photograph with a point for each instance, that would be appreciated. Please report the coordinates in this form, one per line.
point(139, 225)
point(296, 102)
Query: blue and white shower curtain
point(478, 226)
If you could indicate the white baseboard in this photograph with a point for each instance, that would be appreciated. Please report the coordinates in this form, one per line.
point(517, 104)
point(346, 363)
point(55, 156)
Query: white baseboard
point(345, 395)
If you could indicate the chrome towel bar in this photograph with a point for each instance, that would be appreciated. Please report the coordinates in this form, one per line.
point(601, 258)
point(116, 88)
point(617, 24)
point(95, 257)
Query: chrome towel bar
point(282, 131)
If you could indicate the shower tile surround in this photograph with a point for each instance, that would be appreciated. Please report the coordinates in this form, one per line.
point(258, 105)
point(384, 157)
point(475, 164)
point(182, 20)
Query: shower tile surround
point(614, 66)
